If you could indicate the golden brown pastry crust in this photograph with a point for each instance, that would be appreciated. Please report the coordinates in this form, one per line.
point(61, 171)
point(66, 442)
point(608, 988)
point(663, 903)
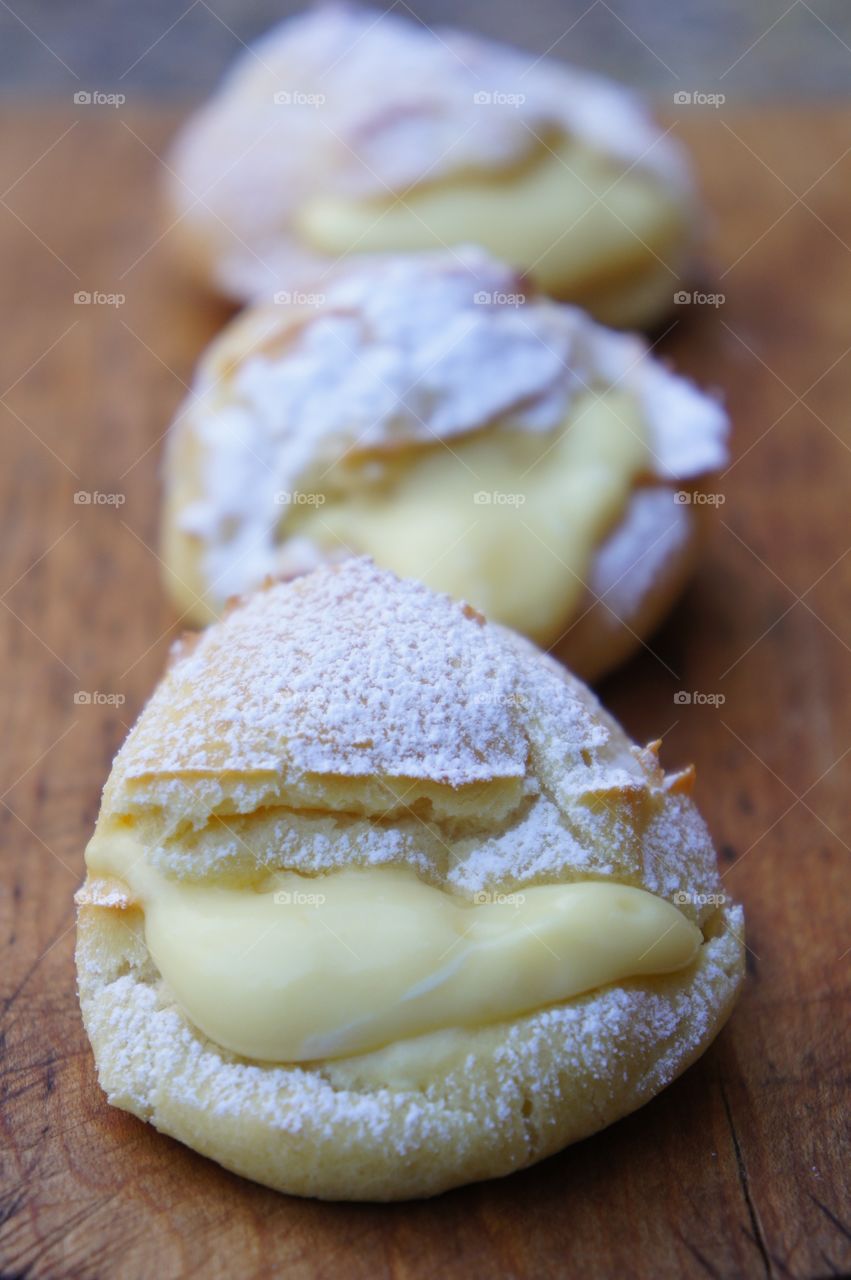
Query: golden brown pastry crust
point(329, 104)
point(513, 1094)
point(257, 427)
point(460, 750)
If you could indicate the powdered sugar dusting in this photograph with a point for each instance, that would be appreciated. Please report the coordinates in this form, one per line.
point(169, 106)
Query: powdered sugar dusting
point(349, 672)
point(346, 101)
point(402, 351)
point(351, 718)
point(358, 676)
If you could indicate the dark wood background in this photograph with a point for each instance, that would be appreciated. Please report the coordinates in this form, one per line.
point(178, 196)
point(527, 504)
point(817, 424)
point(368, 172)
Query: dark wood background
point(740, 1168)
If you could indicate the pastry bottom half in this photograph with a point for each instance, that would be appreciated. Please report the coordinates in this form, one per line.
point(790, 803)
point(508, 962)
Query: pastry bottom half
point(413, 1119)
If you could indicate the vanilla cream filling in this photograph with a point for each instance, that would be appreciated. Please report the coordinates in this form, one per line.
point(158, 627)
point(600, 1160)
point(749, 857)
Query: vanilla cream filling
point(564, 215)
point(507, 520)
point(294, 968)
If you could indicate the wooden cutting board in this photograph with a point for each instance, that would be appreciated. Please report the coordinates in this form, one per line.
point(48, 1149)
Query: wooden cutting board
point(738, 1169)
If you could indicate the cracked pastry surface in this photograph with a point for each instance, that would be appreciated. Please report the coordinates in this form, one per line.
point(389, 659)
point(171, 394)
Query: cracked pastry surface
point(346, 728)
point(344, 132)
point(432, 412)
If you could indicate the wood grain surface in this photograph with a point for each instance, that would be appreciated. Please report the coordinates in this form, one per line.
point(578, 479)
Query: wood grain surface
point(741, 1167)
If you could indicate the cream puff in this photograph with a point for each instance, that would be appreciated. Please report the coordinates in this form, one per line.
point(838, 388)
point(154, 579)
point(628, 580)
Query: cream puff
point(431, 412)
point(344, 131)
point(381, 901)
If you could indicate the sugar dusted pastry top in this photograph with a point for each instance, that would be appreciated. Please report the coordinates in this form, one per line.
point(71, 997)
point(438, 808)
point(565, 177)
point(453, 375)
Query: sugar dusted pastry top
point(346, 102)
point(348, 718)
point(414, 352)
point(381, 901)
point(276, 690)
point(399, 94)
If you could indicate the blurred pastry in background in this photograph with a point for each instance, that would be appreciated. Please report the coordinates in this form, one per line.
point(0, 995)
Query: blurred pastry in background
point(381, 901)
point(345, 131)
point(432, 413)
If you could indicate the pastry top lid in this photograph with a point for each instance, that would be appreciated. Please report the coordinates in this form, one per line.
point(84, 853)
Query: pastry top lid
point(421, 348)
point(408, 350)
point(347, 671)
point(346, 103)
point(388, 102)
point(350, 717)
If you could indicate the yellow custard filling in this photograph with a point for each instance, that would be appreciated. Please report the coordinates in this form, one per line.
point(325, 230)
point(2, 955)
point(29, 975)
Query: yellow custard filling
point(508, 521)
point(563, 214)
point(295, 968)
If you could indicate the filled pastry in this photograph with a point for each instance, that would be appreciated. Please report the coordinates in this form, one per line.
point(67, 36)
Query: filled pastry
point(381, 901)
point(344, 131)
point(432, 413)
